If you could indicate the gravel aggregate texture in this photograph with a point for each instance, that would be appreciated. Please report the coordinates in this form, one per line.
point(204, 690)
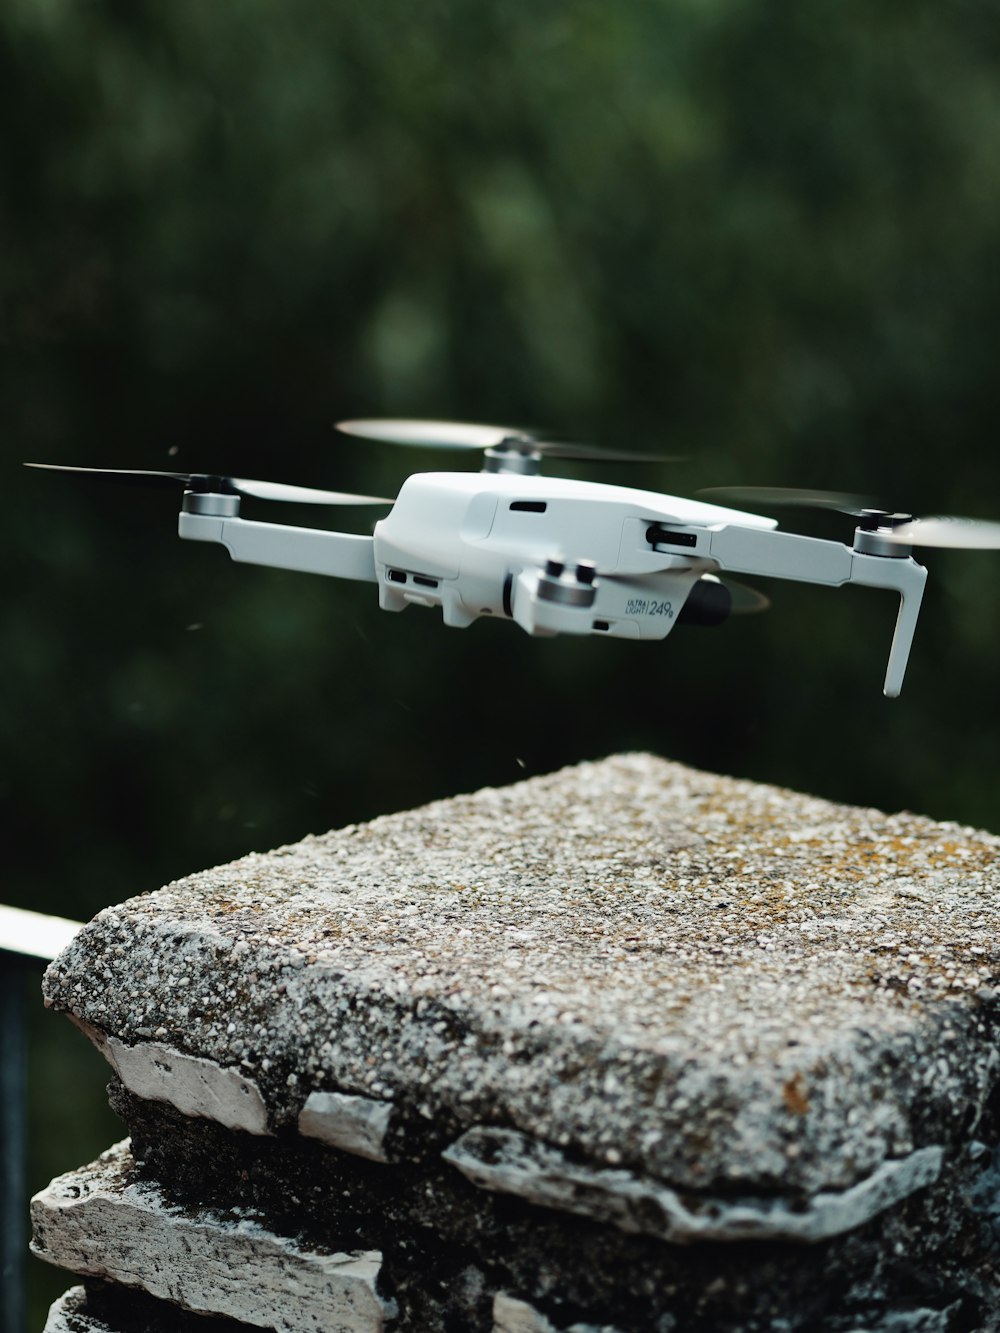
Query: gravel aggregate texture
point(718, 983)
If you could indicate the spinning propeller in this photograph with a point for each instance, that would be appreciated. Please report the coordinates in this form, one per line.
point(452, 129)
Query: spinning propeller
point(207, 483)
point(941, 530)
point(497, 440)
point(746, 601)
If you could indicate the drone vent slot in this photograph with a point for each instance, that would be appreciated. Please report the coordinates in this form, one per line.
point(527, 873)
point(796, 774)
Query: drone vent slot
point(657, 536)
point(424, 581)
point(528, 506)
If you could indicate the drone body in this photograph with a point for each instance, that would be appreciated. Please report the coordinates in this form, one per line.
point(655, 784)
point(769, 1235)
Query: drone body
point(560, 556)
point(487, 543)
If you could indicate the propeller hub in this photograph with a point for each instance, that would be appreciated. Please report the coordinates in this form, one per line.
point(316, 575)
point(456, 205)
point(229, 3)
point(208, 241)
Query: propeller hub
point(208, 483)
point(516, 455)
point(213, 504)
point(873, 535)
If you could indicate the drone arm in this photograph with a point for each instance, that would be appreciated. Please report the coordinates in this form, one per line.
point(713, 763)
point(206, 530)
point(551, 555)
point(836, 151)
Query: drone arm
point(788, 556)
point(907, 578)
point(308, 550)
point(780, 555)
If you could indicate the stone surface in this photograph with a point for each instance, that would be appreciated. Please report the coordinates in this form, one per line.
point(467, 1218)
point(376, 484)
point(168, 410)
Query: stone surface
point(69, 1314)
point(913, 1321)
point(513, 1163)
point(353, 1124)
point(194, 1085)
point(514, 1316)
point(718, 984)
point(449, 1246)
point(109, 1309)
point(101, 1221)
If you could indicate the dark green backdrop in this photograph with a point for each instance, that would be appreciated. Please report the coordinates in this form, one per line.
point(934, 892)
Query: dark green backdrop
point(762, 235)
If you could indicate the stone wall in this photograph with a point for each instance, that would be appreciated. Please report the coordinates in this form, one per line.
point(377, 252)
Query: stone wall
point(629, 1047)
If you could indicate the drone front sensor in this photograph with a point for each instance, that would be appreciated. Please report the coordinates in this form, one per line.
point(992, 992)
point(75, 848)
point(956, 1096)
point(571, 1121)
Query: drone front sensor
point(560, 556)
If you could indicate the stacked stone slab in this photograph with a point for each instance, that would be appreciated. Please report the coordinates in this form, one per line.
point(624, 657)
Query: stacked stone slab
point(628, 1048)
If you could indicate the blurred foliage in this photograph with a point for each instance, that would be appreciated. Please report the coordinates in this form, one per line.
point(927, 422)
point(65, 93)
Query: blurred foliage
point(762, 235)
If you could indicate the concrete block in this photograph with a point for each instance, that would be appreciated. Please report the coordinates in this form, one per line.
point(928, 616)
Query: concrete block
point(716, 983)
point(641, 1007)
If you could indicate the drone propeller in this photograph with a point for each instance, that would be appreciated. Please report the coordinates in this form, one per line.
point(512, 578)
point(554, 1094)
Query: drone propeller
point(947, 531)
point(206, 482)
point(467, 435)
point(746, 601)
point(845, 502)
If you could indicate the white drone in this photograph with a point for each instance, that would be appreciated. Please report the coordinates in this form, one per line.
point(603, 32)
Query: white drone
point(560, 556)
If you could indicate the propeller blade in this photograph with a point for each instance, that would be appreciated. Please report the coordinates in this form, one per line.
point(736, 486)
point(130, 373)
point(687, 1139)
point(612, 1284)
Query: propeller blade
point(431, 434)
point(123, 476)
point(306, 495)
point(766, 497)
point(260, 490)
point(948, 531)
point(743, 600)
point(747, 601)
point(585, 452)
point(468, 435)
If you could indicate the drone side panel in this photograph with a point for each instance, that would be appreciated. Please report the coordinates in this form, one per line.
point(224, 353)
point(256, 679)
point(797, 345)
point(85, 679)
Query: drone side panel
point(639, 608)
point(652, 603)
point(421, 532)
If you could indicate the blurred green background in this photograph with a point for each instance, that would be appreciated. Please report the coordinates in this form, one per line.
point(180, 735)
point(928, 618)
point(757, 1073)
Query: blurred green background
point(761, 235)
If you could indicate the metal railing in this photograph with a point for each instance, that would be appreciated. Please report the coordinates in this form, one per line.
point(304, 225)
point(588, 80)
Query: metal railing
point(28, 942)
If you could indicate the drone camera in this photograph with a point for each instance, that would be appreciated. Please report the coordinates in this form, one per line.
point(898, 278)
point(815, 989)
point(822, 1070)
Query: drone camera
point(574, 586)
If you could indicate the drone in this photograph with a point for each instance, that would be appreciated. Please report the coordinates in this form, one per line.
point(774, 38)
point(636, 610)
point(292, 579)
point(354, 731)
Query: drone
point(562, 556)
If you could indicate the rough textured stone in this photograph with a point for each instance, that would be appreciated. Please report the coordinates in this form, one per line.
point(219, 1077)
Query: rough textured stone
point(513, 1163)
point(102, 1222)
point(104, 1308)
point(712, 982)
point(353, 1124)
point(694, 1008)
point(514, 1316)
point(69, 1314)
point(448, 1246)
point(195, 1086)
